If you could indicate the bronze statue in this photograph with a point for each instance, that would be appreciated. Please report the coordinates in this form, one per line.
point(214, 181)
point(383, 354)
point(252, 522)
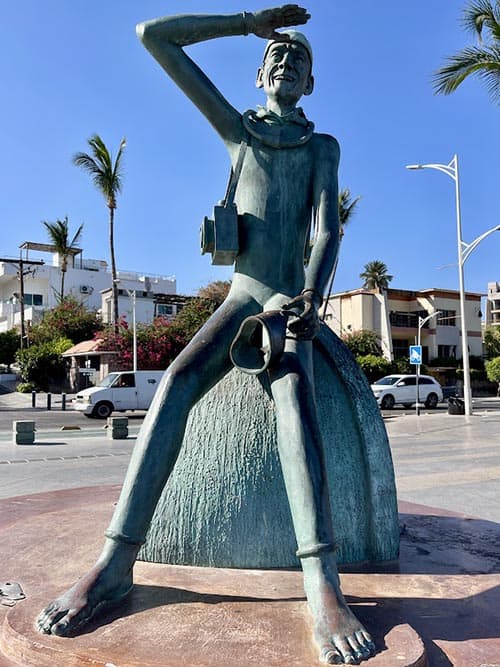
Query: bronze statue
point(287, 181)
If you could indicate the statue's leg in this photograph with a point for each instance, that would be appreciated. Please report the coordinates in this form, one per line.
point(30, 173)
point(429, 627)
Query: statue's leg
point(199, 367)
point(340, 636)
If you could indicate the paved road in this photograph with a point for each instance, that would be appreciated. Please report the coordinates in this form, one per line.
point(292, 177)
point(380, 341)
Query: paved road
point(446, 461)
point(478, 404)
point(16, 406)
point(449, 461)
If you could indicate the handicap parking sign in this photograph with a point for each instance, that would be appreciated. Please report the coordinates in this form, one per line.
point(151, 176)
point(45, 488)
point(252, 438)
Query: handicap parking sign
point(415, 354)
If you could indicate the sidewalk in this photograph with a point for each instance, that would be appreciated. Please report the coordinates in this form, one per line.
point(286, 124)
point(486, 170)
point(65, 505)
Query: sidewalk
point(16, 400)
point(449, 461)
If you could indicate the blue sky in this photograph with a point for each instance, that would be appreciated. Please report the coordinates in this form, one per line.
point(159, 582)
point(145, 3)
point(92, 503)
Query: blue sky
point(74, 68)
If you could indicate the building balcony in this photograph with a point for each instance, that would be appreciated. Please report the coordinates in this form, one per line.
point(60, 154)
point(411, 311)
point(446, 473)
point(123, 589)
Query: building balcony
point(406, 320)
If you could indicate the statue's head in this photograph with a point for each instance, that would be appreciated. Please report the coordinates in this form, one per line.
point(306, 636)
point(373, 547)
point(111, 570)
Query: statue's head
point(286, 70)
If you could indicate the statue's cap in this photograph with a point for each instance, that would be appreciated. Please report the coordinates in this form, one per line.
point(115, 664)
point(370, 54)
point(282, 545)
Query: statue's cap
point(294, 36)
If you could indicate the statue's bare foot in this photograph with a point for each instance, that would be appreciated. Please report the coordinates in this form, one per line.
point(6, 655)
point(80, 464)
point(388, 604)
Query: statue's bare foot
point(341, 638)
point(107, 582)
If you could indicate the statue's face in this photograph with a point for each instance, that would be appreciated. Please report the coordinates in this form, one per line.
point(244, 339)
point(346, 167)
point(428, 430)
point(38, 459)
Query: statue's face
point(286, 72)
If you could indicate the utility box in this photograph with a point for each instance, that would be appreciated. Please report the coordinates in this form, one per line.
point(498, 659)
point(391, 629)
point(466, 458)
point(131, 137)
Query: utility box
point(456, 406)
point(117, 428)
point(23, 432)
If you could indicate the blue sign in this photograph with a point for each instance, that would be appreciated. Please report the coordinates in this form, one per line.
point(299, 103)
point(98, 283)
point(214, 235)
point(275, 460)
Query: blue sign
point(415, 354)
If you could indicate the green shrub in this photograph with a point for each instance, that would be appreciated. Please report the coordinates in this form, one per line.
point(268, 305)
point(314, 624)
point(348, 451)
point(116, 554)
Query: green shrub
point(373, 366)
point(10, 342)
point(492, 342)
point(493, 370)
point(363, 342)
point(475, 374)
point(70, 319)
point(402, 365)
point(43, 364)
point(25, 387)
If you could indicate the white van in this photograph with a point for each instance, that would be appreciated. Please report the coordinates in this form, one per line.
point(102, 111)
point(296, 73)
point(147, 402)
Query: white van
point(125, 390)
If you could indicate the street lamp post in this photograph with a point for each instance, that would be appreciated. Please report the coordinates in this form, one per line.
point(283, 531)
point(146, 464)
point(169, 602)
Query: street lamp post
point(132, 295)
point(421, 322)
point(464, 250)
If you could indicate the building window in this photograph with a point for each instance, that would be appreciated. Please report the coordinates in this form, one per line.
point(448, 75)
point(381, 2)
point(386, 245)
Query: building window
point(400, 348)
point(446, 351)
point(398, 319)
point(409, 320)
point(33, 299)
point(165, 309)
point(447, 318)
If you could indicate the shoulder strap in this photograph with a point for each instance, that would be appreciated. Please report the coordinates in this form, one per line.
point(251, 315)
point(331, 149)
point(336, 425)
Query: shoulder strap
point(235, 173)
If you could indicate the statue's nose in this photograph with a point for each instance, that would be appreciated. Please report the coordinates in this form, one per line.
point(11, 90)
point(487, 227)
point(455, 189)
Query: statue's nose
point(284, 64)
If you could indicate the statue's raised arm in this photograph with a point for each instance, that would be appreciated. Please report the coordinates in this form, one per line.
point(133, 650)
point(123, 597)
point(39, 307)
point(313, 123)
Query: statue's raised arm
point(165, 38)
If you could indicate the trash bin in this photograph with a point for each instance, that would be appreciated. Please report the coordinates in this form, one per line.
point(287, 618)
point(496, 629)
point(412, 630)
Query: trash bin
point(456, 406)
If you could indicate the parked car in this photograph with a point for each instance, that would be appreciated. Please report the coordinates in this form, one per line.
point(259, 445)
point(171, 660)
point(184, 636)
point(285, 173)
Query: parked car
point(118, 391)
point(393, 389)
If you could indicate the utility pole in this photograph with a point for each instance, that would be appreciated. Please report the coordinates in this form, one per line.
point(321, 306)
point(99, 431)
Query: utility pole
point(22, 270)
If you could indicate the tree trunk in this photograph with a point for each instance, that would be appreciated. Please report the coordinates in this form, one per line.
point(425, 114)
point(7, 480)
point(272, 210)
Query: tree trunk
point(63, 274)
point(114, 287)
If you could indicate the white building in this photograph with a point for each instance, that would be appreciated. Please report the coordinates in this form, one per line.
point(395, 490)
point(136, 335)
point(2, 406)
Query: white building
point(492, 318)
point(398, 325)
point(85, 279)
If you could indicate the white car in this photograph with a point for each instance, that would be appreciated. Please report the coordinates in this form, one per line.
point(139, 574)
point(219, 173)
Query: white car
point(123, 390)
point(393, 389)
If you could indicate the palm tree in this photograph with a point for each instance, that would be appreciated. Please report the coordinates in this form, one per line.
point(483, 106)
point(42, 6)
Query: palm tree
point(347, 207)
point(107, 177)
point(481, 16)
point(375, 276)
point(59, 234)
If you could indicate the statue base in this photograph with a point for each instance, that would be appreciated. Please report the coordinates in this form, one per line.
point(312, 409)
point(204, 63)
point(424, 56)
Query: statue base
point(181, 615)
point(225, 503)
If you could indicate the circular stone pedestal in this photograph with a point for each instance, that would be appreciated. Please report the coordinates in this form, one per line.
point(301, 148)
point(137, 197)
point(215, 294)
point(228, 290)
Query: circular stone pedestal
point(175, 615)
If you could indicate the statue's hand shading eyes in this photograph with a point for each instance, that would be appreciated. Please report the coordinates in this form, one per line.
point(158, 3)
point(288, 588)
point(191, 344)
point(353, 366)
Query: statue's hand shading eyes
point(264, 23)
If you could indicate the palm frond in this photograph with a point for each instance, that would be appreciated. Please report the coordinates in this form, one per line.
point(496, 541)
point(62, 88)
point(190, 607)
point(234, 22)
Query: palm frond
point(347, 206)
point(106, 175)
point(118, 166)
point(76, 237)
point(481, 14)
point(375, 275)
point(58, 232)
point(485, 62)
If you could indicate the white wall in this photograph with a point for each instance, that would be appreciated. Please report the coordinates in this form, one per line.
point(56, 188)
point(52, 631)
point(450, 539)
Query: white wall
point(85, 284)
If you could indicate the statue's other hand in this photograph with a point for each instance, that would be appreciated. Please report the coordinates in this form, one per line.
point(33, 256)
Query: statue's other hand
point(306, 323)
point(265, 22)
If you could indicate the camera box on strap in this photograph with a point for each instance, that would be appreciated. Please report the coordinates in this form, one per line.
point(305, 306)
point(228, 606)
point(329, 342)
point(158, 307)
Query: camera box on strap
point(219, 236)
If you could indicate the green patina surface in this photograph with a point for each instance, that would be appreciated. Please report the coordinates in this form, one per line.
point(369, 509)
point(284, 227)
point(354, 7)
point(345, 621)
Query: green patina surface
point(225, 503)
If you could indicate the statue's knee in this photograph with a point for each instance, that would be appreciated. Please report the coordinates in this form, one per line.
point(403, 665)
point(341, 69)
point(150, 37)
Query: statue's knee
point(181, 383)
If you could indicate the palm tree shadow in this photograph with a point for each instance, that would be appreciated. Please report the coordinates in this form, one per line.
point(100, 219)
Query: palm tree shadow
point(451, 620)
point(430, 545)
point(433, 545)
point(144, 597)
